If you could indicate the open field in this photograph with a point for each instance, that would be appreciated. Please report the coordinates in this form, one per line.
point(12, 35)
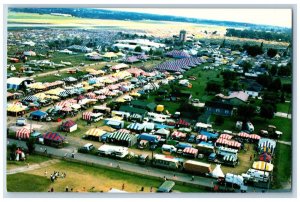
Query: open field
point(83, 178)
point(31, 159)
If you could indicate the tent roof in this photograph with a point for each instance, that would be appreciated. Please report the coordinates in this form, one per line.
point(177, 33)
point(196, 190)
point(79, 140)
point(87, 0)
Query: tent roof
point(53, 136)
point(217, 172)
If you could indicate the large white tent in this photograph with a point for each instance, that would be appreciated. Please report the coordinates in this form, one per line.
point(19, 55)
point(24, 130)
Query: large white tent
point(217, 172)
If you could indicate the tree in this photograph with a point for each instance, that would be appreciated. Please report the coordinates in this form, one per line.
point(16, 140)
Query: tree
point(275, 85)
point(213, 87)
point(272, 52)
point(30, 143)
point(246, 66)
point(12, 151)
point(273, 70)
point(150, 51)
point(287, 88)
point(266, 111)
point(138, 49)
point(246, 111)
point(264, 80)
point(219, 120)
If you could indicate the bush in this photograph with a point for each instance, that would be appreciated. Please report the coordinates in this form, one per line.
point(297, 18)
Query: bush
point(219, 120)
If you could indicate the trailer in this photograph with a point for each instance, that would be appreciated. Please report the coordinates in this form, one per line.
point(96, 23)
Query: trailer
point(114, 151)
point(168, 162)
point(197, 167)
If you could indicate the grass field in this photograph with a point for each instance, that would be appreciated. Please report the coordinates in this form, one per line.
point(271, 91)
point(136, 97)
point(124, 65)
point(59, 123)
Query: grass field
point(283, 158)
point(31, 159)
point(284, 107)
point(83, 178)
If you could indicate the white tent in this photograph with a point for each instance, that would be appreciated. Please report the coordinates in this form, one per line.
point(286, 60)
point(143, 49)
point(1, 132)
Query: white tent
point(217, 172)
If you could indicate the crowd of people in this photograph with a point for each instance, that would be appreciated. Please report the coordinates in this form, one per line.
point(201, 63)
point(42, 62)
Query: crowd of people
point(56, 174)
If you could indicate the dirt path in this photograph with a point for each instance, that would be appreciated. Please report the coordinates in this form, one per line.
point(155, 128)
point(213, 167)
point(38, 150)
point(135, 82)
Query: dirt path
point(31, 167)
point(284, 142)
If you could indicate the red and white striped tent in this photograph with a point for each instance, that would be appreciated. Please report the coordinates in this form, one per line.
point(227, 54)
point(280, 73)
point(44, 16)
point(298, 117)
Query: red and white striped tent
point(67, 109)
point(23, 133)
point(201, 137)
point(100, 97)
point(87, 115)
point(178, 134)
point(230, 143)
point(254, 136)
point(90, 95)
point(66, 103)
point(113, 87)
point(226, 136)
point(243, 134)
point(190, 151)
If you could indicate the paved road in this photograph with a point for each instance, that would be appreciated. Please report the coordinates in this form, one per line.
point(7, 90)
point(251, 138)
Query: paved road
point(126, 166)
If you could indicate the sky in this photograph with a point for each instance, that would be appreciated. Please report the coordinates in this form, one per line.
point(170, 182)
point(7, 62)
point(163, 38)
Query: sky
point(276, 17)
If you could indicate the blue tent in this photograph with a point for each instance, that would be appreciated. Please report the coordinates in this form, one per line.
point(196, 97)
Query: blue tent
point(209, 135)
point(38, 115)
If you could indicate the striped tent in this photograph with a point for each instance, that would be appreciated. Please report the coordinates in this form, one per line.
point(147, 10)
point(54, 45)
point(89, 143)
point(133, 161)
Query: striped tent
point(87, 116)
point(67, 109)
point(230, 158)
point(182, 122)
point(63, 94)
point(96, 132)
point(230, 143)
point(90, 95)
point(100, 97)
point(178, 135)
point(243, 134)
point(226, 136)
point(177, 54)
point(131, 59)
point(254, 136)
point(190, 151)
point(38, 86)
point(136, 126)
point(123, 137)
point(265, 157)
point(53, 137)
point(201, 138)
point(266, 145)
point(264, 166)
point(23, 133)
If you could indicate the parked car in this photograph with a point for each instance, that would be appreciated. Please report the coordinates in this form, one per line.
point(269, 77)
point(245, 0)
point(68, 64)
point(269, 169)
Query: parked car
point(192, 139)
point(104, 137)
point(21, 122)
point(86, 148)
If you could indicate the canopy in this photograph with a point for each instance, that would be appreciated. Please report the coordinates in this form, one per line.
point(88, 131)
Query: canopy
point(182, 123)
point(163, 131)
point(264, 166)
point(265, 157)
point(53, 136)
point(123, 135)
point(254, 136)
point(38, 113)
point(37, 85)
point(267, 145)
point(68, 123)
point(217, 172)
point(97, 132)
point(16, 107)
point(178, 134)
point(109, 55)
point(190, 150)
point(226, 136)
point(230, 157)
point(230, 143)
point(136, 126)
point(243, 134)
point(23, 133)
point(201, 137)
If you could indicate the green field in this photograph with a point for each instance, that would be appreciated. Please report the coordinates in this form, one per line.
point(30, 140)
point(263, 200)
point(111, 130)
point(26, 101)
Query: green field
point(284, 107)
point(83, 178)
point(31, 159)
point(283, 165)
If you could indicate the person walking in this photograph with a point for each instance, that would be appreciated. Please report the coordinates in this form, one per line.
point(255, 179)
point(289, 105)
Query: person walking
point(193, 178)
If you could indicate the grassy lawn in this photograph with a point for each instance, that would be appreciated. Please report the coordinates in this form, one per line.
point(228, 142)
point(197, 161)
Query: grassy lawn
point(23, 182)
point(283, 158)
point(31, 159)
point(82, 178)
point(284, 107)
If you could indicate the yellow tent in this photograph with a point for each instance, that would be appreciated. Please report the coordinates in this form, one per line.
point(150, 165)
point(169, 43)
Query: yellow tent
point(135, 94)
point(96, 132)
point(15, 108)
point(120, 100)
point(261, 165)
point(37, 85)
point(55, 91)
point(160, 108)
point(110, 55)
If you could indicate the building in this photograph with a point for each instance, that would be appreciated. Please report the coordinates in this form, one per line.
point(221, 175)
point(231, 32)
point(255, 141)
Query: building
point(219, 108)
point(235, 98)
point(145, 44)
point(182, 36)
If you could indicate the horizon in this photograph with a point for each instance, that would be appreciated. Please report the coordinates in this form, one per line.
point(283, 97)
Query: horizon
point(275, 17)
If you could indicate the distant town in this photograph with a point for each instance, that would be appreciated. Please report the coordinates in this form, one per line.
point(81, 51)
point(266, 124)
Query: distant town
point(93, 104)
